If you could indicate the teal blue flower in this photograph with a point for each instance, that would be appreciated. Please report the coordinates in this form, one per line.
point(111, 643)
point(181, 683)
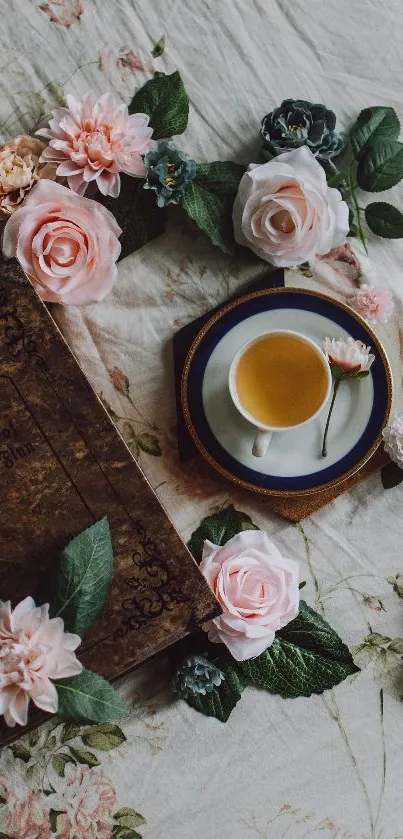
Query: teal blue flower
point(168, 172)
point(300, 123)
point(197, 675)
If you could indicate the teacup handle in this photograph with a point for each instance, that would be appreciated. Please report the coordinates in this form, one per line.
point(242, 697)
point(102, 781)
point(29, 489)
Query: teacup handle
point(261, 443)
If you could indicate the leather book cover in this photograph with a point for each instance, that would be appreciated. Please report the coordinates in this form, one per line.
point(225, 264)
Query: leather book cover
point(63, 466)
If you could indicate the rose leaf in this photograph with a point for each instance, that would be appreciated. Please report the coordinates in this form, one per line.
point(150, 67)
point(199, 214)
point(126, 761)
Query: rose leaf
point(384, 220)
point(136, 212)
point(307, 656)
point(209, 198)
point(381, 166)
point(219, 528)
point(88, 698)
point(166, 102)
point(220, 702)
point(373, 125)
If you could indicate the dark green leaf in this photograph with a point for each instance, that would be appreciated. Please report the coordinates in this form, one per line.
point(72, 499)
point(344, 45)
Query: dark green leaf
point(165, 100)
point(104, 737)
point(50, 791)
point(128, 817)
point(83, 578)
point(391, 475)
point(219, 528)
point(159, 48)
point(34, 737)
point(306, 657)
point(381, 166)
point(70, 731)
point(302, 584)
point(88, 697)
point(384, 220)
point(21, 751)
point(373, 125)
point(136, 212)
point(335, 179)
point(59, 763)
point(149, 443)
point(362, 374)
point(209, 199)
point(220, 702)
point(84, 757)
point(53, 814)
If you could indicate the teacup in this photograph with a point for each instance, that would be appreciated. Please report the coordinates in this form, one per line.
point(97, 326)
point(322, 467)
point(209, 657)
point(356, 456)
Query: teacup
point(279, 381)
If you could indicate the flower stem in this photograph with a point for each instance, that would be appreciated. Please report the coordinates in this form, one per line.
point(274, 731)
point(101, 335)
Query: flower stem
point(358, 210)
point(335, 389)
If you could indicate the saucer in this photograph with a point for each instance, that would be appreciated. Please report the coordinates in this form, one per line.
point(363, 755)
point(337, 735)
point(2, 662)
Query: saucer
point(293, 463)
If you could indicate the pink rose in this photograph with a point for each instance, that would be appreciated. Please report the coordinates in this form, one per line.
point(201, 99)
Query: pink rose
point(85, 805)
point(66, 244)
point(286, 213)
point(257, 589)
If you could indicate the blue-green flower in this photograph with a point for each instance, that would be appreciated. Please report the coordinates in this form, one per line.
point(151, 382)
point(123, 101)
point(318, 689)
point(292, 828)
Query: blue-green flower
point(300, 123)
point(168, 172)
point(197, 675)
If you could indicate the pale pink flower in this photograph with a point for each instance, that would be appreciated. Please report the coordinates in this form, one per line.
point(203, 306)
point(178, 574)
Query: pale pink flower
point(124, 60)
point(286, 213)
point(343, 260)
point(375, 304)
point(24, 818)
point(65, 243)
point(350, 355)
point(33, 650)
point(20, 170)
point(87, 802)
point(257, 589)
point(393, 439)
point(94, 140)
point(63, 12)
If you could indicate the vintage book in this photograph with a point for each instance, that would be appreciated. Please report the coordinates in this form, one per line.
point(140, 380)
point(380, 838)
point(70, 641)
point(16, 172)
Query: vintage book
point(63, 466)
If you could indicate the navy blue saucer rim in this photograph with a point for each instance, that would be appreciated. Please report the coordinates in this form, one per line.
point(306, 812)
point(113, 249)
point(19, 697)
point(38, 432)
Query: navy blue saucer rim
point(267, 301)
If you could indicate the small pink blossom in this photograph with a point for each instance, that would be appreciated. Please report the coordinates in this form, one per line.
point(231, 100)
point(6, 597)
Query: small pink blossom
point(257, 589)
point(343, 260)
point(393, 439)
point(375, 304)
point(34, 649)
point(85, 805)
point(95, 140)
point(120, 381)
point(124, 60)
point(350, 355)
point(63, 12)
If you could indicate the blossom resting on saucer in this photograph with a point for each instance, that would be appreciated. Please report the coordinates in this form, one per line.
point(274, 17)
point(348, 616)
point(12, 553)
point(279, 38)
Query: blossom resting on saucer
point(375, 304)
point(34, 649)
point(393, 439)
point(348, 357)
point(95, 140)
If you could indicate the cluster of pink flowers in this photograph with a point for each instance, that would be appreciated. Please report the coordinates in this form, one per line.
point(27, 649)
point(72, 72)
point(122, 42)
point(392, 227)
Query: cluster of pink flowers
point(67, 244)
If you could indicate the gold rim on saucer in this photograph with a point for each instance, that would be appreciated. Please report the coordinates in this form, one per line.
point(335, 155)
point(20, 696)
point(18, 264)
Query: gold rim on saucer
point(206, 454)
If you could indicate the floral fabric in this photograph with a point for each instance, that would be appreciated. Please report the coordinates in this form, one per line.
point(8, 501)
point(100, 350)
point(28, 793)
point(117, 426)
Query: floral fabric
point(327, 766)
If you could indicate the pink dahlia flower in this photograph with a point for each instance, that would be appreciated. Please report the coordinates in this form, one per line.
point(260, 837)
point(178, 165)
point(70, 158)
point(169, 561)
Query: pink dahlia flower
point(94, 141)
point(373, 304)
point(33, 650)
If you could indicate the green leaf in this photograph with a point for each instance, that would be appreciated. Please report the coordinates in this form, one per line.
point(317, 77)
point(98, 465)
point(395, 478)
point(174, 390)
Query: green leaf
point(381, 166)
point(83, 579)
point(374, 125)
point(59, 763)
point(104, 737)
point(84, 757)
point(391, 475)
point(220, 702)
point(70, 731)
point(384, 220)
point(159, 48)
point(209, 199)
point(88, 697)
point(219, 528)
point(21, 751)
point(121, 832)
point(34, 737)
point(137, 213)
point(53, 814)
point(165, 100)
point(149, 443)
point(306, 657)
point(127, 817)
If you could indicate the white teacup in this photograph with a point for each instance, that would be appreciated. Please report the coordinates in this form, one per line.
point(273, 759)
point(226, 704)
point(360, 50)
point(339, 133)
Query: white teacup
point(265, 432)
